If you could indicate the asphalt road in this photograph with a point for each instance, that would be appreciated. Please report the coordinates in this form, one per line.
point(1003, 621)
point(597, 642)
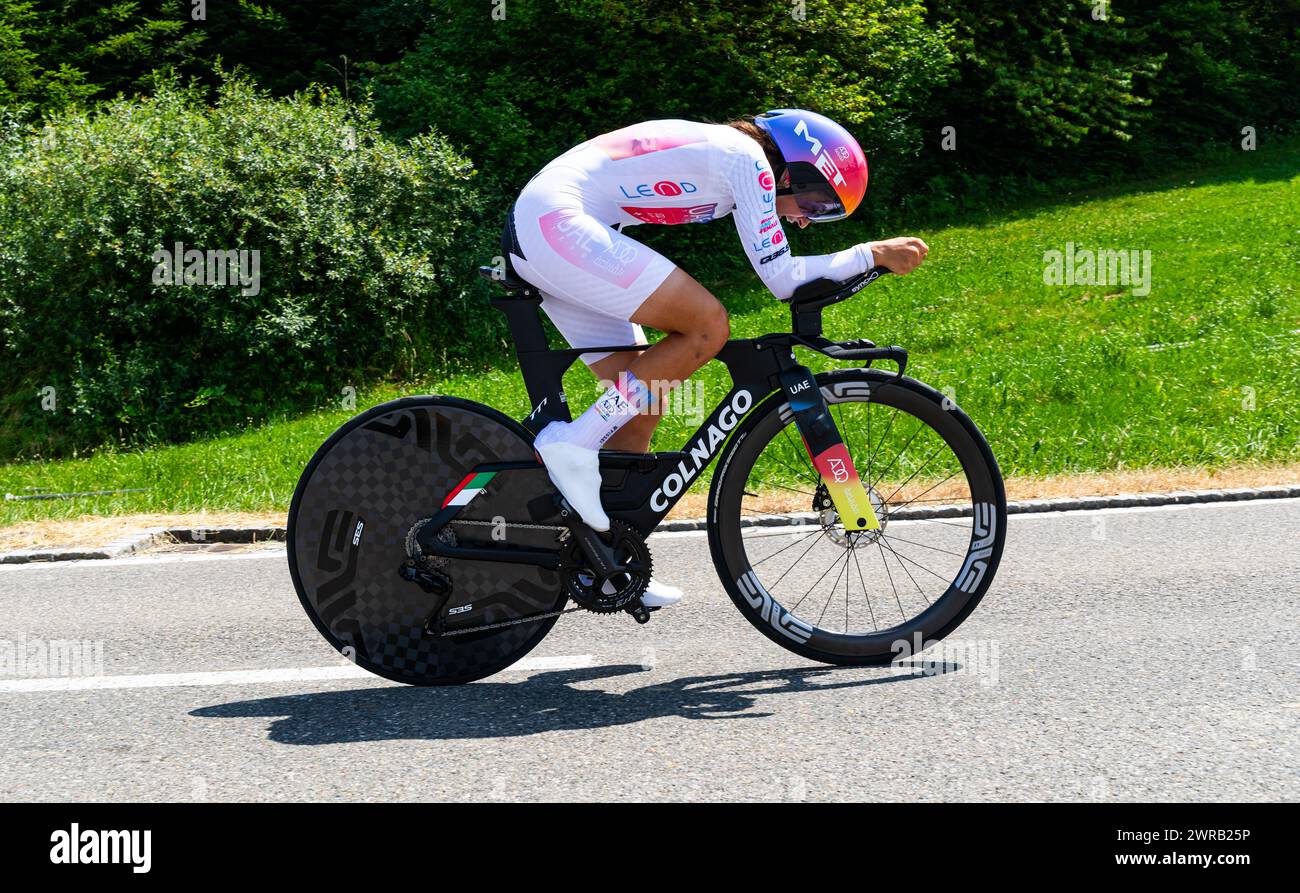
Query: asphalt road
point(1139, 654)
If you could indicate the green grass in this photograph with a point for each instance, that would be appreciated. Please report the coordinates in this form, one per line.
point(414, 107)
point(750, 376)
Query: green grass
point(1204, 370)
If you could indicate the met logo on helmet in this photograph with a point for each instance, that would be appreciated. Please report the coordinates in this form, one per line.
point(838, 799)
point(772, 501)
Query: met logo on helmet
point(824, 163)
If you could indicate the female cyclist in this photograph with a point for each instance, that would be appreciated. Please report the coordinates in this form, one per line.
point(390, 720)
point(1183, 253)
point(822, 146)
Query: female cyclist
point(599, 286)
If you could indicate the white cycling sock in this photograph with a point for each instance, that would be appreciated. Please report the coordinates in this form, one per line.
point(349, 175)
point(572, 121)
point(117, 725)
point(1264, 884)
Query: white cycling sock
point(569, 449)
point(615, 408)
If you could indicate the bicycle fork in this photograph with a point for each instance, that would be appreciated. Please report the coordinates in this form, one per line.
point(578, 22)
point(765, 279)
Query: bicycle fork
point(826, 448)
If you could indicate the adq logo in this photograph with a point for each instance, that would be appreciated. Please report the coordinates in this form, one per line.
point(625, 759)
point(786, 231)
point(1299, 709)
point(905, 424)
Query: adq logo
point(838, 470)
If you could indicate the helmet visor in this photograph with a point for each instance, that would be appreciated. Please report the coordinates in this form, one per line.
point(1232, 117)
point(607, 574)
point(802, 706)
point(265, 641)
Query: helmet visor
point(818, 201)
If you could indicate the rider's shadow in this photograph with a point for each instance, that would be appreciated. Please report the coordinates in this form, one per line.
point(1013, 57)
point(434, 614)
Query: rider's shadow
point(548, 702)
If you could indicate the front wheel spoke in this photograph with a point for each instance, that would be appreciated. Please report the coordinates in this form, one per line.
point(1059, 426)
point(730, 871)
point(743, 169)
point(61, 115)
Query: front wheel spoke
point(798, 475)
point(962, 527)
point(785, 429)
point(781, 530)
point(865, 592)
point(899, 539)
point(797, 560)
point(881, 442)
point(942, 500)
point(765, 481)
point(921, 468)
point(754, 564)
point(867, 452)
point(924, 597)
point(815, 582)
point(920, 426)
point(760, 513)
point(848, 578)
point(917, 497)
point(913, 561)
point(831, 596)
point(885, 563)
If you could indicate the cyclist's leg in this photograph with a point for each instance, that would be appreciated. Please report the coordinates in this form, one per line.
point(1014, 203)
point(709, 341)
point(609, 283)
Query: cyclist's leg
point(593, 279)
point(697, 327)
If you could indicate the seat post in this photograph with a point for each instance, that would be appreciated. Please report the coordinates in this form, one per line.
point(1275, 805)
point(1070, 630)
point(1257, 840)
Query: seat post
point(520, 309)
point(542, 368)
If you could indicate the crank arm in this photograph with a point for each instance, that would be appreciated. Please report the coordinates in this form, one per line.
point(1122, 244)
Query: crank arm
point(603, 562)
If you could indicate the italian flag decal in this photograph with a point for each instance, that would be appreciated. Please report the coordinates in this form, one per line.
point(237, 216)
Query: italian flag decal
point(468, 488)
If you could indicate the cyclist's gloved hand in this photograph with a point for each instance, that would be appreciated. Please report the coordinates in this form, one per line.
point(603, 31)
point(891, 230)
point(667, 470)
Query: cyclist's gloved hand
point(901, 254)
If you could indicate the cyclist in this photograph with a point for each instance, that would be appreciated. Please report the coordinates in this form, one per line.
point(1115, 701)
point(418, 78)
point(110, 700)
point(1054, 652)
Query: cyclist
point(599, 286)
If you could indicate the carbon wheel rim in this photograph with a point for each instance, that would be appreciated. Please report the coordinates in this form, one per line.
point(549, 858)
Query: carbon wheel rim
point(856, 595)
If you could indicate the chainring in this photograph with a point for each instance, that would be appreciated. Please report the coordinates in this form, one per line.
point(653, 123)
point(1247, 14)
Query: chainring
point(579, 582)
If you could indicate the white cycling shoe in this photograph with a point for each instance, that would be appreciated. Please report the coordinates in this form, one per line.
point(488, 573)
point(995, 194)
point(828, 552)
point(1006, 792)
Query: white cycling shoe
point(660, 595)
point(575, 471)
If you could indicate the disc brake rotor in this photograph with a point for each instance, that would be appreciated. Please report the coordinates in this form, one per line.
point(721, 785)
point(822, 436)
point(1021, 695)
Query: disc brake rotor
point(829, 519)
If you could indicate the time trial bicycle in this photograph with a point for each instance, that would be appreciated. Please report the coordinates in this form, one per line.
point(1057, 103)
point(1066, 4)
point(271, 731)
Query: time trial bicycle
point(852, 510)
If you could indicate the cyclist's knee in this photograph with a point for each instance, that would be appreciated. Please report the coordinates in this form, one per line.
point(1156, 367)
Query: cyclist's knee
point(719, 325)
point(711, 330)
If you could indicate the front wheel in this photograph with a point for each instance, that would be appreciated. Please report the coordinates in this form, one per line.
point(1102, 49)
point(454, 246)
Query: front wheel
point(854, 597)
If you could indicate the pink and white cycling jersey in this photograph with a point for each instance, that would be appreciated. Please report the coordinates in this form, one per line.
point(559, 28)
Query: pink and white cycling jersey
point(594, 278)
point(674, 171)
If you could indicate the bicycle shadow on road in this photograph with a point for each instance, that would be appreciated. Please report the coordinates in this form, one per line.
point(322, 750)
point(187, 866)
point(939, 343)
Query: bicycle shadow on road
point(547, 702)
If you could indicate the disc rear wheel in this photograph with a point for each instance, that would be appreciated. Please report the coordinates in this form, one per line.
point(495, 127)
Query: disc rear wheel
point(358, 499)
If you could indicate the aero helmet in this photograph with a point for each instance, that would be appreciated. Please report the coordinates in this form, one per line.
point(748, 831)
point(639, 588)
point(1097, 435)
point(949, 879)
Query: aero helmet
point(825, 168)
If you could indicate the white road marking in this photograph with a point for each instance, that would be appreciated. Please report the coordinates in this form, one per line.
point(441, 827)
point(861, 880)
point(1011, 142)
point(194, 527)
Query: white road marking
point(252, 677)
point(165, 558)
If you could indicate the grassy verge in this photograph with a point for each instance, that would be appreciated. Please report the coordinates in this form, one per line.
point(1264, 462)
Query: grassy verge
point(1204, 370)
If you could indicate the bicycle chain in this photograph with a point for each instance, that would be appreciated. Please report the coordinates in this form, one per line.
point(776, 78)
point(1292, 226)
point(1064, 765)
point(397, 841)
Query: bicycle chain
point(509, 524)
point(562, 537)
point(563, 531)
point(515, 622)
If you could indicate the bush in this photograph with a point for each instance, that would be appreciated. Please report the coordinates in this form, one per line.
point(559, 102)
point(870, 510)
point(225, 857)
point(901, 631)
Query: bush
point(361, 269)
point(519, 91)
point(1053, 90)
point(1224, 64)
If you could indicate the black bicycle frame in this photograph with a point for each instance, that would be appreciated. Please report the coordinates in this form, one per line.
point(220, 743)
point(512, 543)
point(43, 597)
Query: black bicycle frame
point(641, 488)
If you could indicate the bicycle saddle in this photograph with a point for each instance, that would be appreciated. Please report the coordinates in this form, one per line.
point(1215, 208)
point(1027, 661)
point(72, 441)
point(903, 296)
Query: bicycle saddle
point(509, 280)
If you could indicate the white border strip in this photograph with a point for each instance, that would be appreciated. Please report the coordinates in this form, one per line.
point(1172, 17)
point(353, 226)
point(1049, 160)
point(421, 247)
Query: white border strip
point(665, 532)
point(253, 677)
